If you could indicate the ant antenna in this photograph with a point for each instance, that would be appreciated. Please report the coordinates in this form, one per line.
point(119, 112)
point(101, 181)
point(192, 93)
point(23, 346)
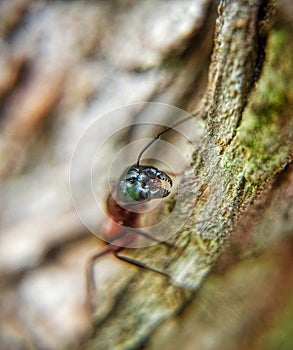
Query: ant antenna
point(160, 134)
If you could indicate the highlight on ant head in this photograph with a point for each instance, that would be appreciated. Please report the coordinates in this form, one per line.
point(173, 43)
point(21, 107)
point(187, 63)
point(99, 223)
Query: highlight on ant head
point(143, 183)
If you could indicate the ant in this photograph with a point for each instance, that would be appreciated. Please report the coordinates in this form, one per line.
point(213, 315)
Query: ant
point(137, 185)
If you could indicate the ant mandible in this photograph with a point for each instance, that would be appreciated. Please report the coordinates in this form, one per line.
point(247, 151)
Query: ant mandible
point(137, 185)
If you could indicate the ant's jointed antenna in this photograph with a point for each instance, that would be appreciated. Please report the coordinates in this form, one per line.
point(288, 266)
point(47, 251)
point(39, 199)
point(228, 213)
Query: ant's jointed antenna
point(160, 134)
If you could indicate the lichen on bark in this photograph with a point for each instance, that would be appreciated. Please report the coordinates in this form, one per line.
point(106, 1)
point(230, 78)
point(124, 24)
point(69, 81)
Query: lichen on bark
point(263, 134)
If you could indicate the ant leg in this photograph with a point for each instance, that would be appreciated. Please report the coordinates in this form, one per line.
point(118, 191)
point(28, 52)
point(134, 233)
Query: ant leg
point(152, 238)
point(139, 264)
point(91, 285)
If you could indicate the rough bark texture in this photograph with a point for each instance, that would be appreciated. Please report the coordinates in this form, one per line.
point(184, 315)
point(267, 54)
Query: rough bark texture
point(59, 70)
point(225, 185)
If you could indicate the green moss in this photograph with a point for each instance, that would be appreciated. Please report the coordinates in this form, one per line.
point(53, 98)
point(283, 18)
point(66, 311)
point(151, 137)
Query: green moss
point(262, 134)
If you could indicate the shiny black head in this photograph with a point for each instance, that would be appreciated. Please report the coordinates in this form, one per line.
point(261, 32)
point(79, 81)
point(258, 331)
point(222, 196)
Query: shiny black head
point(143, 183)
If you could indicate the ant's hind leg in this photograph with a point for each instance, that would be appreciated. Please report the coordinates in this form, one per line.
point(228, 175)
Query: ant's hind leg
point(90, 279)
point(91, 285)
point(139, 264)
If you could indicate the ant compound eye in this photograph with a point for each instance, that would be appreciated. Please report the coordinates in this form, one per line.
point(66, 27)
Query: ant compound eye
point(131, 175)
point(134, 185)
point(132, 180)
point(130, 186)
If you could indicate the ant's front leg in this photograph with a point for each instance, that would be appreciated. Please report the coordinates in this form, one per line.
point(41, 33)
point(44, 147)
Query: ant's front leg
point(139, 264)
point(112, 248)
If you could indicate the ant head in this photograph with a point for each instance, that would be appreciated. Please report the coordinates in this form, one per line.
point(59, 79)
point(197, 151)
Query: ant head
point(144, 183)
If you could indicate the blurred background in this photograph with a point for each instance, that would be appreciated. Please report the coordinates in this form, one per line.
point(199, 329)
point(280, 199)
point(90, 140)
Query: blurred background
point(63, 66)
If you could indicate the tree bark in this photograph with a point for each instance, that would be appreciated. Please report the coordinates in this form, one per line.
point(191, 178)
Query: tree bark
point(233, 167)
point(230, 270)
